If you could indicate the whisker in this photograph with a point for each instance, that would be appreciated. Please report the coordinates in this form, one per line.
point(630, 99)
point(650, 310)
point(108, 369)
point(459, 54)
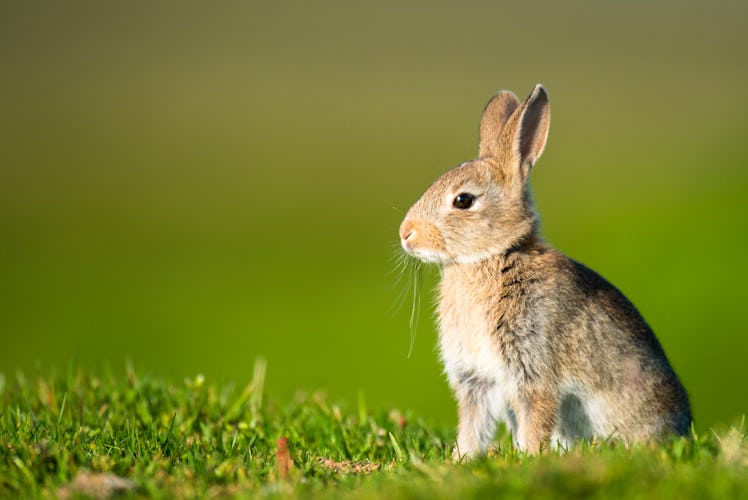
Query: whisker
point(409, 269)
point(399, 301)
point(415, 311)
point(402, 262)
point(399, 259)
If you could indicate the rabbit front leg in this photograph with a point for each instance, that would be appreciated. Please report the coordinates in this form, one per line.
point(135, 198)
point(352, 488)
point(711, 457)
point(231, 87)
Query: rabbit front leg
point(477, 418)
point(536, 419)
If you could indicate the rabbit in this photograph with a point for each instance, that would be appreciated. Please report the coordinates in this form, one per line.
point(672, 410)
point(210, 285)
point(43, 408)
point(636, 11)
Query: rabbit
point(527, 335)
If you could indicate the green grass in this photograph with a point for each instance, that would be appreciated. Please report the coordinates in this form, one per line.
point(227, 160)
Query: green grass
point(197, 439)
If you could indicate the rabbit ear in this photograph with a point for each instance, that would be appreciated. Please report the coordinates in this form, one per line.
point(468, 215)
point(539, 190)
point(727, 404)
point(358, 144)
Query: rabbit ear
point(495, 115)
point(531, 131)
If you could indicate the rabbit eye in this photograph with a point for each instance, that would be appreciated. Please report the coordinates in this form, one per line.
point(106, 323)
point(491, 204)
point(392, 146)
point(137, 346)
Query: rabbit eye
point(463, 201)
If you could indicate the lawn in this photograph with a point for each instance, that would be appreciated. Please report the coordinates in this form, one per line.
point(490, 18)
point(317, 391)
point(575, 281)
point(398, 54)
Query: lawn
point(192, 187)
point(77, 433)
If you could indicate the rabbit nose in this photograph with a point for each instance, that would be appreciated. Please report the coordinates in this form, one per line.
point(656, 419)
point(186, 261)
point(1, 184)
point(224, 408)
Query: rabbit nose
point(406, 230)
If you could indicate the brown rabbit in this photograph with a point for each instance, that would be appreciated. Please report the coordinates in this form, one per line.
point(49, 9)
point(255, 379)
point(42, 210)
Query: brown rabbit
point(528, 335)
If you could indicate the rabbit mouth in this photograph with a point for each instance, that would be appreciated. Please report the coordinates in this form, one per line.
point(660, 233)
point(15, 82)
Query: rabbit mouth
point(436, 257)
point(423, 254)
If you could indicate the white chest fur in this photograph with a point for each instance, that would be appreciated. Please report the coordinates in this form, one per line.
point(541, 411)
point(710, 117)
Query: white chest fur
point(469, 351)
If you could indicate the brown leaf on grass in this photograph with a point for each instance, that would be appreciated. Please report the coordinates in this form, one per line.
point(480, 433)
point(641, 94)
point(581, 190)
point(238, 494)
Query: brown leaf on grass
point(283, 460)
point(96, 485)
point(348, 467)
point(397, 417)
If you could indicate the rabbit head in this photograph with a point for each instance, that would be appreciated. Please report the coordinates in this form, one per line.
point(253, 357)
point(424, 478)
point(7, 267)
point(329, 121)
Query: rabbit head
point(482, 208)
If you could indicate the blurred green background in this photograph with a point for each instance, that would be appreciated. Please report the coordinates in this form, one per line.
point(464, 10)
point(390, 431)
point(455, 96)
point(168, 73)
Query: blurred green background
point(192, 185)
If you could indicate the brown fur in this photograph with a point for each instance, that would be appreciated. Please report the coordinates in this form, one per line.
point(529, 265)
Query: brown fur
point(528, 335)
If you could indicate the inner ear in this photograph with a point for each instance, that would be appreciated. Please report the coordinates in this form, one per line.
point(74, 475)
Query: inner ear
point(533, 130)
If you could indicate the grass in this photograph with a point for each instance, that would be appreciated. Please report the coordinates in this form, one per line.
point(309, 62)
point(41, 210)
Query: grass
point(76, 433)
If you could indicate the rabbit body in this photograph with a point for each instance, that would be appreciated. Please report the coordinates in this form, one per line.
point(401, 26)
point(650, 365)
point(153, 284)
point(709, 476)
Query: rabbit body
point(527, 335)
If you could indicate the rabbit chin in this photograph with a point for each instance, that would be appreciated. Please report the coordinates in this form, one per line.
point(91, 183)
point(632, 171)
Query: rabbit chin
point(426, 255)
point(434, 257)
